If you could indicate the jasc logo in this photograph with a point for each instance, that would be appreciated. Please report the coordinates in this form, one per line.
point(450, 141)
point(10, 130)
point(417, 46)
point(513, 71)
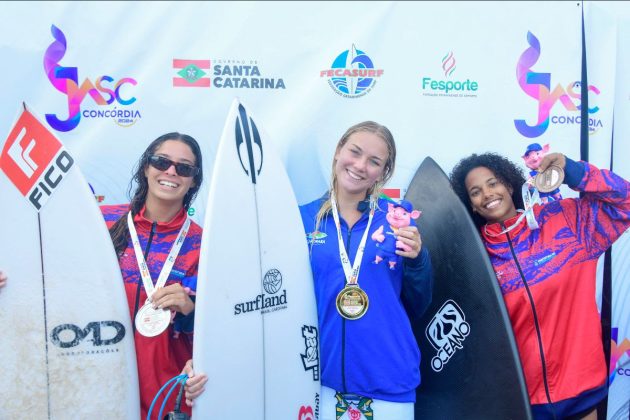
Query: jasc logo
point(66, 81)
point(446, 332)
point(352, 74)
point(538, 86)
point(34, 160)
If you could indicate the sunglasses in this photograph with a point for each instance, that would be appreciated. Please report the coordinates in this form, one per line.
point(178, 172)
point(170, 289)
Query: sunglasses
point(182, 169)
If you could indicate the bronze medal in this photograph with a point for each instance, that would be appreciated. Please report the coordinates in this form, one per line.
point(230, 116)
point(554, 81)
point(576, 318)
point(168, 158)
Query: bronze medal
point(352, 302)
point(550, 179)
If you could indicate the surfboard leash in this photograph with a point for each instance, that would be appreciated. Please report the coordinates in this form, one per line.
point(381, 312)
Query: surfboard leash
point(176, 414)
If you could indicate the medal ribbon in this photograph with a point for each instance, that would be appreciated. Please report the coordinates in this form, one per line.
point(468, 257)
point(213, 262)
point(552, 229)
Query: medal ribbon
point(529, 200)
point(352, 273)
point(168, 264)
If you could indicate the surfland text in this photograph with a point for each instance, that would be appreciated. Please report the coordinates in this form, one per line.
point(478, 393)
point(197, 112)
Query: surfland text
point(264, 303)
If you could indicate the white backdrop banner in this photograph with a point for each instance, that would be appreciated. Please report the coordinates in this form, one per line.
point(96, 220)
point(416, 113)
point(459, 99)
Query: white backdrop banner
point(447, 78)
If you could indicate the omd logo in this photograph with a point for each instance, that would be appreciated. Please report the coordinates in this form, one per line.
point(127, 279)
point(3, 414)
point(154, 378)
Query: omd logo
point(34, 160)
point(446, 333)
point(104, 333)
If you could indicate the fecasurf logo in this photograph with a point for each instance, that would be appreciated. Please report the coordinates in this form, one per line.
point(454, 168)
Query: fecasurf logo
point(66, 81)
point(352, 74)
point(271, 302)
point(34, 160)
point(446, 333)
point(223, 74)
point(447, 87)
point(538, 86)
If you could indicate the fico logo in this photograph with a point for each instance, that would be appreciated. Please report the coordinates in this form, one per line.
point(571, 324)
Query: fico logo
point(352, 74)
point(66, 81)
point(538, 86)
point(452, 88)
point(34, 160)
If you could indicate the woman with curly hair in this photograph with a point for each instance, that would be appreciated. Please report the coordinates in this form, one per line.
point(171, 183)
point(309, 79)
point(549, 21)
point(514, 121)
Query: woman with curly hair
point(547, 273)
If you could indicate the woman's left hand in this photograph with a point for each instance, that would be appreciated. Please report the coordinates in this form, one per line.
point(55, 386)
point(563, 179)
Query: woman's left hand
point(556, 159)
point(410, 237)
point(173, 297)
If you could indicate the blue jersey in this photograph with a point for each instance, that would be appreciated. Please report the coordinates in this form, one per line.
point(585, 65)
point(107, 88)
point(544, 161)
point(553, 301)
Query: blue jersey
point(377, 355)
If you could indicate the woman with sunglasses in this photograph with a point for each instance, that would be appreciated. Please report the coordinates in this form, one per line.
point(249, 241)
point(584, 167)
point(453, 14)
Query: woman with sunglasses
point(154, 229)
point(369, 357)
point(545, 258)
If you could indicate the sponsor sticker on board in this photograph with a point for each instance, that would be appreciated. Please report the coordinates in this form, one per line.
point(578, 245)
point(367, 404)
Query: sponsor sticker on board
point(34, 160)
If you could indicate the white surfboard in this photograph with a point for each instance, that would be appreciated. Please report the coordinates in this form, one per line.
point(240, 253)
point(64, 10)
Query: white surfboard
point(66, 345)
point(256, 334)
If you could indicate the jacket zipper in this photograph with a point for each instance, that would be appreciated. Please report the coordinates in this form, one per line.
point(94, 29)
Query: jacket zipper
point(343, 328)
point(146, 254)
point(536, 324)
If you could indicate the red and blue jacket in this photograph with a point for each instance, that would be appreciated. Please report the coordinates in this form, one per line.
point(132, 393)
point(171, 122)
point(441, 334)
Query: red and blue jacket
point(547, 277)
point(162, 357)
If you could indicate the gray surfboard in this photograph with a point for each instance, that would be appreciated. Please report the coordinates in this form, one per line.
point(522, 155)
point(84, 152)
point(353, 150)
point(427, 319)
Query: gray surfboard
point(470, 366)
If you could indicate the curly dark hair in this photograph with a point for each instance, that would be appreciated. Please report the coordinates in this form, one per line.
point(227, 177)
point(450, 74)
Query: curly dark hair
point(505, 170)
point(119, 231)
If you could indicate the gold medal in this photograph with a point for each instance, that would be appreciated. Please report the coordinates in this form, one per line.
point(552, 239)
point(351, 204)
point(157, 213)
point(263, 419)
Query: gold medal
point(151, 322)
point(352, 302)
point(550, 179)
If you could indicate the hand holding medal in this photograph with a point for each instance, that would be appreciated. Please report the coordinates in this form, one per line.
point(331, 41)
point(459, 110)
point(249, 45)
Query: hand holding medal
point(152, 321)
point(550, 172)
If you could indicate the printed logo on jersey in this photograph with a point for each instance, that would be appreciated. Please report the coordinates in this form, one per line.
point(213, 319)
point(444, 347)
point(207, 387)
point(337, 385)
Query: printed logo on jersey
point(316, 238)
point(352, 74)
point(446, 332)
point(74, 339)
point(34, 160)
point(66, 80)
point(538, 86)
point(447, 85)
point(273, 300)
point(310, 358)
point(544, 259)
point(191, 73)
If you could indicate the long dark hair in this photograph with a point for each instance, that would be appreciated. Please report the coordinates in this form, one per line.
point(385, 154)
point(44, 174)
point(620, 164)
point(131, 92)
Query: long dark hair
point(503, 169)
point(119, 231)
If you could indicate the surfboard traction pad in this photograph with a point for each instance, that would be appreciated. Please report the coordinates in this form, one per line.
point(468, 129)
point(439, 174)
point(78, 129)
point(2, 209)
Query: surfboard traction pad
point(470, 366)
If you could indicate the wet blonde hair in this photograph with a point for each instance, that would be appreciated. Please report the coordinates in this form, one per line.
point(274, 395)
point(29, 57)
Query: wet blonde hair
point(388, 169)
